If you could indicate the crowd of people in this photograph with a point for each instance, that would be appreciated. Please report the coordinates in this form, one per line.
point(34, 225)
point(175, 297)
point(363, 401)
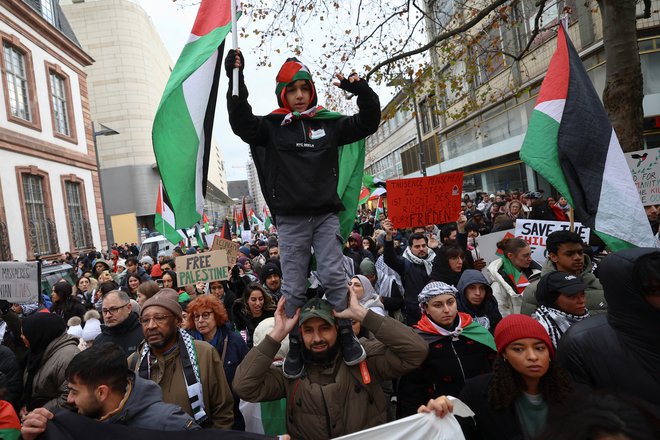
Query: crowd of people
point(519, 344)
point(315, 337)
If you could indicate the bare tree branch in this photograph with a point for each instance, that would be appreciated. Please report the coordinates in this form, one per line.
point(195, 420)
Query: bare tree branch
point(466, 26)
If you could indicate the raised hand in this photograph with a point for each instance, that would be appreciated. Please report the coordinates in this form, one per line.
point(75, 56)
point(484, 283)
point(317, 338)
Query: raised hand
point(283, 324)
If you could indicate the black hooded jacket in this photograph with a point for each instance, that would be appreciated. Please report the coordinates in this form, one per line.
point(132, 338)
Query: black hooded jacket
point(487, 313)
point(620, 350)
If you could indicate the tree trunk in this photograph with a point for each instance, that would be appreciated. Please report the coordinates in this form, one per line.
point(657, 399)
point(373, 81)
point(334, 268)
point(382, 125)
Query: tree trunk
point(623, 92)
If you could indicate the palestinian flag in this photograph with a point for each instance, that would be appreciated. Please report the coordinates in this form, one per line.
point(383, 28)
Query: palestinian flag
point(245, 217)
point(226, 230)
point(379, 209)
point(10, 426)
point(254, 220)
point(164, 219)
point(267, 220)
point(372, 182)
point(572, 144)
point(205, 220)
point(183, 124)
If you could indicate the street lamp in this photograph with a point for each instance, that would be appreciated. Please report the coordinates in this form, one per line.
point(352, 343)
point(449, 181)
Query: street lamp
point(104, 131)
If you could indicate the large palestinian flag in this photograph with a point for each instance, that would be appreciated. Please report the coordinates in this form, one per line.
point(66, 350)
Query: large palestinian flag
point(184, 121)
point(572, 144)
point(164, 220)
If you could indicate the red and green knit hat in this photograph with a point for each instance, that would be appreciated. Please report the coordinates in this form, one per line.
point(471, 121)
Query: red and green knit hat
point(292, 70)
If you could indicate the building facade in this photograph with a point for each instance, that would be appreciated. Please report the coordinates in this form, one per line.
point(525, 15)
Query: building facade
point(49, 181)
point(126, 84)
point(484, 140)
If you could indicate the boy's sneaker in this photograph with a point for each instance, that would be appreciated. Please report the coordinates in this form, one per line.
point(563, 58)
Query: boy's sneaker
point(293, 365)
point(351, 349)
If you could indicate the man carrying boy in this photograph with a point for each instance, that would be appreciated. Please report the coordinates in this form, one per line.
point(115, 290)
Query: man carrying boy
point(296, 153)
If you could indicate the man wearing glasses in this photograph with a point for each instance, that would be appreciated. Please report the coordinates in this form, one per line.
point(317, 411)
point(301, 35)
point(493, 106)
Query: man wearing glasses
point(121, 324)
point(189, 372)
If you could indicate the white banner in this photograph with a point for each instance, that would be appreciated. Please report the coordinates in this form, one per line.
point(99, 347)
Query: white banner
point(535, 232)
point(19, 282)
point(425, 426)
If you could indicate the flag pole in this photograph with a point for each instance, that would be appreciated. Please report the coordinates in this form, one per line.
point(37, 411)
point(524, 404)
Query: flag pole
point(571, 217)
point(234, 41)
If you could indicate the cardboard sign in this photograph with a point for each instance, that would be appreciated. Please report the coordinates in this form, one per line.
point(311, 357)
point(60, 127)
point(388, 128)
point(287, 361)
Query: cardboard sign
point(535, 232)
point(645, 168)
point(19, 282)
point(424, 201)
point(205, 267)
point(231, 247)
point(487, 244)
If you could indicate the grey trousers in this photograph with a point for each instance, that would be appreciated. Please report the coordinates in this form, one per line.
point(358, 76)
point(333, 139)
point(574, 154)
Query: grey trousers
point(297, 234)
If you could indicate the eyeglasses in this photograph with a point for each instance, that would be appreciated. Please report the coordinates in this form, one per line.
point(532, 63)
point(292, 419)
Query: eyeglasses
point(203, 315)
point(158, 319)
point(113, 310)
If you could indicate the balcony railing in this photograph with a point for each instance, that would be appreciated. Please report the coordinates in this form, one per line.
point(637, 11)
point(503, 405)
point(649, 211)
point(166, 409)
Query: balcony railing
point(5, 250)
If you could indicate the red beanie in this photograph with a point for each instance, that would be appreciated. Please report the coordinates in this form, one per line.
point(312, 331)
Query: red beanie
point(514, 327)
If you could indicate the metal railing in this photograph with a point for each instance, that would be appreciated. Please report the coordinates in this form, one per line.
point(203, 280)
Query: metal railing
point(43, 237)
point(5, 249)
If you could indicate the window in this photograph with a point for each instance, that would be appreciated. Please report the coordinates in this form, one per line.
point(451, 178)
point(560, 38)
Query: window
point(18, 83)
point(424, 116)
point(47, 11)
point(487, 55)
point(41, 233)
point(61, 105)
point(80, 232)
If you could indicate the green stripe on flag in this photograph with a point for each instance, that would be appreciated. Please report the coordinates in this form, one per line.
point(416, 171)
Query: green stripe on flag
point(539, 151)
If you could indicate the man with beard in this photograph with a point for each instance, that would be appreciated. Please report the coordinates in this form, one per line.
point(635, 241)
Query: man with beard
point(189, 372)
point(318, 400)
point(414, 268)
point(272, 278)
point(102, 388)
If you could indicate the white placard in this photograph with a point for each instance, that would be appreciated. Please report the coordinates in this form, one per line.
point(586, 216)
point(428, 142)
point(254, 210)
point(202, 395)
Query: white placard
point(19, 282)
point(536, 232)
point(645, 168)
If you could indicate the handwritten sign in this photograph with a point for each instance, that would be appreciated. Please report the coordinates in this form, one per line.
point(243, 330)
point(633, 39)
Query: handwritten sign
point(645, 168)
point(535, 232)
point(205, 267)
point(19, 282)
point(424, 201)
point(222, 244)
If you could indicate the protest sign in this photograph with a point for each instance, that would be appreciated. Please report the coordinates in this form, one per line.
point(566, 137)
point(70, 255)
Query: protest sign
point(222, 244)
point(536, 232)
point(246, 236)
point(645, 168)
point(424, 201)
point(487, 244)
point(19, 282)
point(205, 267)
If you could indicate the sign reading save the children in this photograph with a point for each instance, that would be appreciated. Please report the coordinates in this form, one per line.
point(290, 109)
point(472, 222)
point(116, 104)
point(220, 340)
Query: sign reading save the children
point(535, 232)
point(424, 201)
point(19, 282)
point(206, 267)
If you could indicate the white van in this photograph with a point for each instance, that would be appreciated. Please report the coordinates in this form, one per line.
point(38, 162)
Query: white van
point(153, 245)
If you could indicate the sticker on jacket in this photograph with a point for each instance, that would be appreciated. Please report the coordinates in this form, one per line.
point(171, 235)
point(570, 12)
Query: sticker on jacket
point(316, 134)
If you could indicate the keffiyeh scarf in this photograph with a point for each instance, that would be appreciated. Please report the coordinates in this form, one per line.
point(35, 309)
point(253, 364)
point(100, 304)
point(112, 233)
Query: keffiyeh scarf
point(188, 356)
point(556, 322)
point(427, 262)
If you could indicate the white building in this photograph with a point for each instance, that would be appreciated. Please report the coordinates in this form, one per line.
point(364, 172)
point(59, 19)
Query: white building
point(49, 196)
point(132, 67)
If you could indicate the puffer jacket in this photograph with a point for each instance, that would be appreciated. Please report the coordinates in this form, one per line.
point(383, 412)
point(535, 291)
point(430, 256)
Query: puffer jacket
point(333, 400)
point(144, 408)
point(618, 351)
point(508, 299)
point(50, 385)
point(595, 296)
point(298, 163)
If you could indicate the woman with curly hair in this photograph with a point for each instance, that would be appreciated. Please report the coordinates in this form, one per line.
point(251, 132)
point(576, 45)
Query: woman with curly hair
point(513, 402)
point(208, 321)
point(253, 307)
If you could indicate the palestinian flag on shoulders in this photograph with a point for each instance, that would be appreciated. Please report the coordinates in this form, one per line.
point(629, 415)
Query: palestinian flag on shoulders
point(571, 143)
point(183, 124)
point(164, 220)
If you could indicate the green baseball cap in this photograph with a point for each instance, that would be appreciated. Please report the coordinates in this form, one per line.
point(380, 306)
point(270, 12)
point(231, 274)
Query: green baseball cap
point(317, 308)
